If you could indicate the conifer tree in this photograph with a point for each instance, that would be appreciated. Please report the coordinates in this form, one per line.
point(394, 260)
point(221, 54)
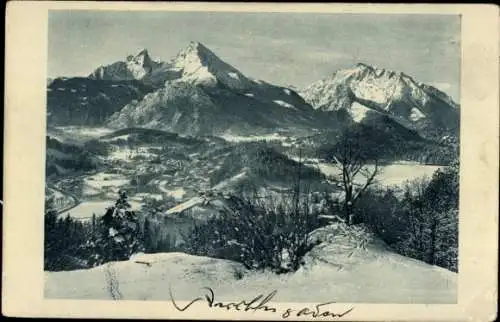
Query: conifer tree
point(120, 234)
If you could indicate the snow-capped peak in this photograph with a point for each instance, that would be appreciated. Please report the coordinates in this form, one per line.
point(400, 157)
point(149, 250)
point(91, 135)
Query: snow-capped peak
point(134, 67)
point(194, 61)
point(370, 83)
point(195, 49)
point(375, 71)
point(141, 58)
point(141, 64)
point(201, 66)
point(383, 90)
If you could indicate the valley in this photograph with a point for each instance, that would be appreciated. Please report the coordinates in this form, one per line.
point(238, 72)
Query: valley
point(151, 170)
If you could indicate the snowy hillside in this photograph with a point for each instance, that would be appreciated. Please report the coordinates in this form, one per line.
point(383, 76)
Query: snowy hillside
point(349, 265)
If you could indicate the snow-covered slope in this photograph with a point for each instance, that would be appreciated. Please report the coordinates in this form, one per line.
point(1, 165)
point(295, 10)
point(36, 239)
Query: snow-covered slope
point(413, 104)
point(176, 107)
point(349, 265)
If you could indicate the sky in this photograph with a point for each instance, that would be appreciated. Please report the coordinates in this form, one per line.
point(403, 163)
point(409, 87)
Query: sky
point(281, 48)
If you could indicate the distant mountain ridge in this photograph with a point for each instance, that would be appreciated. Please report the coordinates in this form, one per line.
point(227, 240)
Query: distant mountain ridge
point(134, 68)
point(90, 102)
point(195, 64)
point(197, 93)
point(370, 90)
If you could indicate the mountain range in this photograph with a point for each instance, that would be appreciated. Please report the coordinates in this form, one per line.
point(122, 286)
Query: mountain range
point(371, 92)
point(197, 93)
point(202, 94)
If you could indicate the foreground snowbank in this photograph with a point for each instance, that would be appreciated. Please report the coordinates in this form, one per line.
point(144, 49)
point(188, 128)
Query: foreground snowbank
point(348, 266)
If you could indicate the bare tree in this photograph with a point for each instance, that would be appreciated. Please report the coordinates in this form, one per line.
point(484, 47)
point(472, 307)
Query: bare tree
point(357, 171)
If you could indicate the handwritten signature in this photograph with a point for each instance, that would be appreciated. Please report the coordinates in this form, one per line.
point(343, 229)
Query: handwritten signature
point(260, 302)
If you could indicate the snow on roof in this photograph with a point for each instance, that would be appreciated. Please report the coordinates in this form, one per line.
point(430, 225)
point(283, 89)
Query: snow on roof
point(186, 205)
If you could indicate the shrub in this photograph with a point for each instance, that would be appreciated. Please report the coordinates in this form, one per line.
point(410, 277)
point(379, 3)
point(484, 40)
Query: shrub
point(258, 232)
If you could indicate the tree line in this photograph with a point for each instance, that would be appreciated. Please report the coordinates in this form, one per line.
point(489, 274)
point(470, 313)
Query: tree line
point(114, 235)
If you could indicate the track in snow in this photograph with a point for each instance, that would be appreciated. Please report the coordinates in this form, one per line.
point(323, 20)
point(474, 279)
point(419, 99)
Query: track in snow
point(112, 282)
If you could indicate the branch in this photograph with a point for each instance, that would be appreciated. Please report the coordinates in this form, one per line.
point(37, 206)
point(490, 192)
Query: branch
point(338, 163)
point(356, 168)
point(368, 182)
point(345, 178)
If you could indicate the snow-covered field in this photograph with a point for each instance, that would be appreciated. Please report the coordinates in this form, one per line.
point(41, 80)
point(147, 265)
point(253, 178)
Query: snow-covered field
point(89, 191)
point(142, 195)
point(85, 209)
point(101, 180)
point(76, 135)
point(178, 193)
point(389, 175)
point(125, 154)
point(267, 137)
point(397, 174)
point(344, 268)
point(84, 132)
point(120, 137)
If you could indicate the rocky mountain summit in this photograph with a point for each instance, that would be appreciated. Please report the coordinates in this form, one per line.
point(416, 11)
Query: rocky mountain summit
point(365, 90)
